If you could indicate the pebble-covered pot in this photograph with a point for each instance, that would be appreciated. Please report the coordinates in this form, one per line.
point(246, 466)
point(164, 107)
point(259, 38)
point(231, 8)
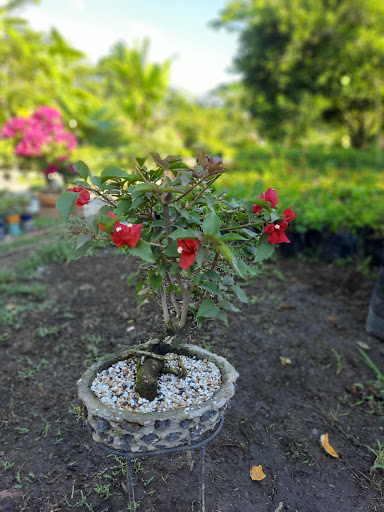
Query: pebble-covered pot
point(130, 431)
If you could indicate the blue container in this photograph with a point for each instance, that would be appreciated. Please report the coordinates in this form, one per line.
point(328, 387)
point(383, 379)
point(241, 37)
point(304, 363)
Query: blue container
point(2, 228)
point(27, 222)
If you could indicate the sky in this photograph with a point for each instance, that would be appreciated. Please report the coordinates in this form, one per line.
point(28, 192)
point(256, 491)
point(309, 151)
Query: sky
point(178, 29)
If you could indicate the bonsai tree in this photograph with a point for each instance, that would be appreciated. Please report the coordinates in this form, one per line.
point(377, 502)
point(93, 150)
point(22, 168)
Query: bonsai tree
point(41, 139)
point(192, 242)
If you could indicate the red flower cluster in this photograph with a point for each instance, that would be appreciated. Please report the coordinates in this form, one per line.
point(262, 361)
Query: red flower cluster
point(84, 196)
point(276, 232)
point(270, 195)
point(124, 234)
point(187, 250)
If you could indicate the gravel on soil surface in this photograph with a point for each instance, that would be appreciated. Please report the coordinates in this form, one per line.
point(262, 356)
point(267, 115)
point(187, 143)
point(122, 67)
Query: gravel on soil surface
point(115, 386)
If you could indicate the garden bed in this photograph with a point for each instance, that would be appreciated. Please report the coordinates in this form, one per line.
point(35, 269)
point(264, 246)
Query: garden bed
point(295, 346)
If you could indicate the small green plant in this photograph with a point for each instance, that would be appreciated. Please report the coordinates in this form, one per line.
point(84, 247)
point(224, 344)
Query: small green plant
point(340, 361)
point(103, 491)
point(379, 453)
point(379, 376)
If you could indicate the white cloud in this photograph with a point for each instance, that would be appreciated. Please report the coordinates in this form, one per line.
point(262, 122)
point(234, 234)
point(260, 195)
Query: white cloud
point(197, 65)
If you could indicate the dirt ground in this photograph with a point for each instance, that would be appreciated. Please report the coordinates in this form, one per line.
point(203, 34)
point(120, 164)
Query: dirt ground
point(57, 324)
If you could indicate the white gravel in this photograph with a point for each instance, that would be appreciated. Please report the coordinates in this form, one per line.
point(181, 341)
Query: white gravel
point(115, 386)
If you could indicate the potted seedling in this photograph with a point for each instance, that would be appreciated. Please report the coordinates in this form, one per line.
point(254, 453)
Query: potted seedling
point(195, 248)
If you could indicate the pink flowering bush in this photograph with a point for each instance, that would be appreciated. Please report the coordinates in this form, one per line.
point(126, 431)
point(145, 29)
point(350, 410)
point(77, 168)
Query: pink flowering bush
point(195, 247)
point(42, 138)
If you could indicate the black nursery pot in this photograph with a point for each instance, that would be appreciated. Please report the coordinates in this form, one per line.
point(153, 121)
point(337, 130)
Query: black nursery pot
point(296, 247)
point(338, 246)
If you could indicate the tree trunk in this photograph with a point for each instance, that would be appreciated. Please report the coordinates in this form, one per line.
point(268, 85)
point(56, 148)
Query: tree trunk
point(149, 371)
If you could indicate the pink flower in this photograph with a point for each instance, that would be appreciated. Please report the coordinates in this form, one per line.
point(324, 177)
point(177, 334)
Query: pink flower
point(276, 233)
point(84, 196)
point(110, 215)
point(187, 250)
point(288, 214)
point(126, 234)
point(51, 169)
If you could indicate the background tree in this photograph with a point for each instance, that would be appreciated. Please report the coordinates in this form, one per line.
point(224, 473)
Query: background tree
point(306, 61)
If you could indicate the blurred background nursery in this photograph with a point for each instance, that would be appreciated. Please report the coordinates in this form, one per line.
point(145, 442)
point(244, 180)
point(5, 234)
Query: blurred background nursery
point(289, 94)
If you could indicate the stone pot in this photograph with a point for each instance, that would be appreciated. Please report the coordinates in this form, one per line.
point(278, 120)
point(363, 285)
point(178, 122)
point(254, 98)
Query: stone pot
point(129, 431)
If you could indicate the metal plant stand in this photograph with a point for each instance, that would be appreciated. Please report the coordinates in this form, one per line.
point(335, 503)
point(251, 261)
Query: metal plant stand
point(129, 456)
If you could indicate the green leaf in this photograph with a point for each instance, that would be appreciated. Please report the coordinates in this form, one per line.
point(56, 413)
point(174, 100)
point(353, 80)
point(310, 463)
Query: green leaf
point(124, 206)
point(66, 204)
point(223, 316)
point(75, 254)
point(211, 201)
point(93, 222)
point(95, 180)
point(242, 268)
point(82, 239)
point(108, 223)
point(155, 281)
point(211, 287)
point(229, 306)
point(260, 202)
point(112, 173)
point(230, 237)
point(143, 250)
point(132, 278)
point(214, 276)
point(201, 255)
point(219, 246)
point(178, 165)
point(211, 224)
point(171, 249)
point(82, 169)
point(208, 309)
point(241, 295)
point(181, 233)
point(140, 161)
point(264, 249)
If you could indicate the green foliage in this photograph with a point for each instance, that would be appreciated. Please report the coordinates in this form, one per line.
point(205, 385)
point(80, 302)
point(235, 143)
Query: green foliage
point(191, 241)
point(308, 61)
point(338, 189)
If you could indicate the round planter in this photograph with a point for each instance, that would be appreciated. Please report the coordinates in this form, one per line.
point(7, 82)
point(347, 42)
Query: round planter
point(128, 431)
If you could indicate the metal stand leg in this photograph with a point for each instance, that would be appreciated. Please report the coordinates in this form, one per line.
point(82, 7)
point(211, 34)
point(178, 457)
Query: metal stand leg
point(130, 484)
point(202, 478)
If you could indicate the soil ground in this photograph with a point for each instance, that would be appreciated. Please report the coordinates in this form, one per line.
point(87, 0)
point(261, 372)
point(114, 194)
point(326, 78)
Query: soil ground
point(56, 324)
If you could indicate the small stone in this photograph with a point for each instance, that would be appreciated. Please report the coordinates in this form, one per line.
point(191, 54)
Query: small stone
point(150, 438)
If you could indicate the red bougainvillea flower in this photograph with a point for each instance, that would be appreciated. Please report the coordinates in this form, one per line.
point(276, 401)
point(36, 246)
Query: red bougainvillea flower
point(288, 214)
point(187, 250)
point(257, 209)
point(270, 195)
point(276, 233)
point(84, 196)
point(126, 234)
point(110, 215)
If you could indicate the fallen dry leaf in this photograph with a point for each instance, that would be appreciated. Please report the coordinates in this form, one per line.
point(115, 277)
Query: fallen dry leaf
point(327, 447)
point(285, 360)
point(257, 473)
point(363, 345)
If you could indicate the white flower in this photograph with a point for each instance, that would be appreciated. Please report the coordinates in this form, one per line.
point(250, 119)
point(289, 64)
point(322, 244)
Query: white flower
point(179, 250)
